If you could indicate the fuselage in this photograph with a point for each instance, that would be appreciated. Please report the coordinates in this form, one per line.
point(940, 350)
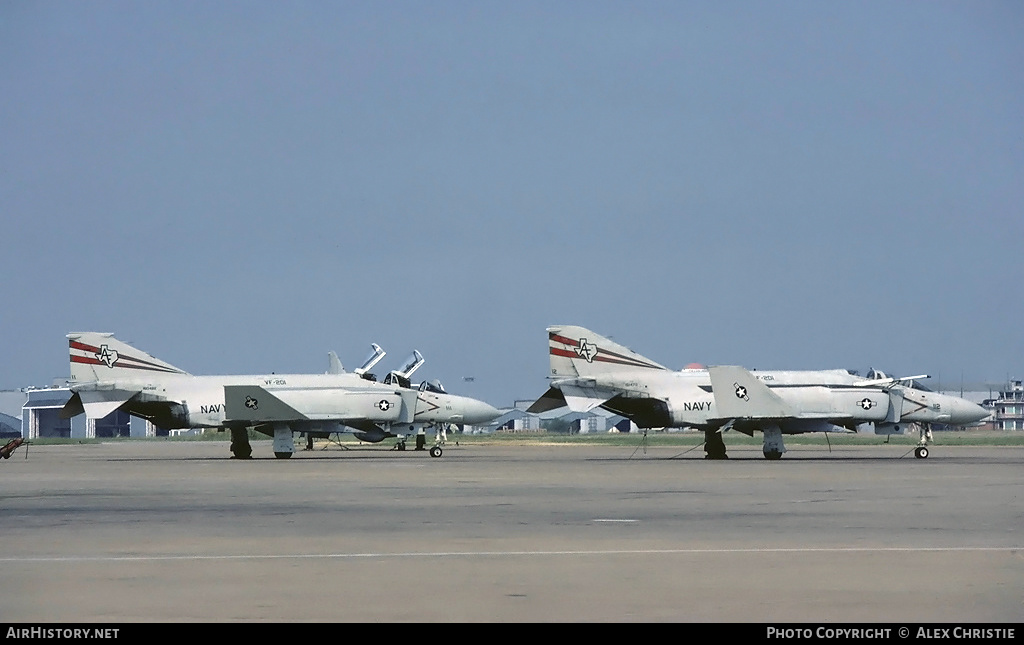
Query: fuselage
point(186, 401)
point(663, 398)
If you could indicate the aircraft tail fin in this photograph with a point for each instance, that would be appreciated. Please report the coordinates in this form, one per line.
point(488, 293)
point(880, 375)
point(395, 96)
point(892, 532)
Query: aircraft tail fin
point(740, 395)
point(577, 351)
point(99, 356)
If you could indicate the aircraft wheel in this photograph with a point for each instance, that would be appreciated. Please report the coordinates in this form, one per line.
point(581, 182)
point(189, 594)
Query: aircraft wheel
point(282, 455)
point(921, 452)
point(772, 455)
point(435, 451)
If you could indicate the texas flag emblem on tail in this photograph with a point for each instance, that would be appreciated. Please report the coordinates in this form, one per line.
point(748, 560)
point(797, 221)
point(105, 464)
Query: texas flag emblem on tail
point(98, 356)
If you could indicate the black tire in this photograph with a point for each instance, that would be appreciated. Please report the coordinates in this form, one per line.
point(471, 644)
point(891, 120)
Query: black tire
point(436, 451)
point(921, 452)
point(282, 455)
point(772, 455)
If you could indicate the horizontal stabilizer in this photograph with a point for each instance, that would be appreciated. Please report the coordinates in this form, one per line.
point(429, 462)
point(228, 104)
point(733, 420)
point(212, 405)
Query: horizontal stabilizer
point(740, 395)
point(584, 399)
point(72, 408)
point(101, 408)
point(550, 400)
point(96, 403)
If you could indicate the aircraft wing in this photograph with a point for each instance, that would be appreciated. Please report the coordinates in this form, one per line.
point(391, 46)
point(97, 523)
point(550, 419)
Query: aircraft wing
point(740, 395)
point(746, 401)
point(254, 405)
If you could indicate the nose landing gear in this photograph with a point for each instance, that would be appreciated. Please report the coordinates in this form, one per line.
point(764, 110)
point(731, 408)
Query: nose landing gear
point(921, 452)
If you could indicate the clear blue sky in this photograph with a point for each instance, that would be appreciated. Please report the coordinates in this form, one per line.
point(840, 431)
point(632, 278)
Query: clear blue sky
point(239, 187)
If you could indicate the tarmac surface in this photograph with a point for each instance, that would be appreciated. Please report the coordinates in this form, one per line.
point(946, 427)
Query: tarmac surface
point(174, 531)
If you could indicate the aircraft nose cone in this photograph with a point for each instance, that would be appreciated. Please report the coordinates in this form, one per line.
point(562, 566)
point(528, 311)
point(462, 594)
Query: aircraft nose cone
point(478, 412)
point(965, 412)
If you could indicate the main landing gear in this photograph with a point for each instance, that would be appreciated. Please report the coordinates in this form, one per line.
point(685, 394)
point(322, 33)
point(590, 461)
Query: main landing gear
point(284, 444)
point(284, 441)
point(240, 448)
point(773, 445)
point(714, 447)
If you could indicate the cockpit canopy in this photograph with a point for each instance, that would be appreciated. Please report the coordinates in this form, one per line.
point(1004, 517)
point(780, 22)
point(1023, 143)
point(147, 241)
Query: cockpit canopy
point(401, 376)
point(411, 364)
point(376, 353)
point(432, 386)
point(914, 384)
point(394, 378)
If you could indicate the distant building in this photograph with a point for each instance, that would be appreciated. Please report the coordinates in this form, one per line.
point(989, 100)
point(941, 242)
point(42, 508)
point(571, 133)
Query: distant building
point(11, 402)
point(40, 418)
point(10, 427)
point(561, 420)
point(516, 420)
point(1008, 408)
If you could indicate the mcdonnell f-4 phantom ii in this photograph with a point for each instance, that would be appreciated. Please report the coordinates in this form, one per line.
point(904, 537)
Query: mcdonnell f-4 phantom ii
point(433, 403)
point(108, 375)
point(590, 371)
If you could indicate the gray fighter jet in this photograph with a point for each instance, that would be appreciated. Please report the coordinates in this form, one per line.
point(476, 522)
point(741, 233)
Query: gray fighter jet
point(108, 375)
point(589, 371)
point(434, 408)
